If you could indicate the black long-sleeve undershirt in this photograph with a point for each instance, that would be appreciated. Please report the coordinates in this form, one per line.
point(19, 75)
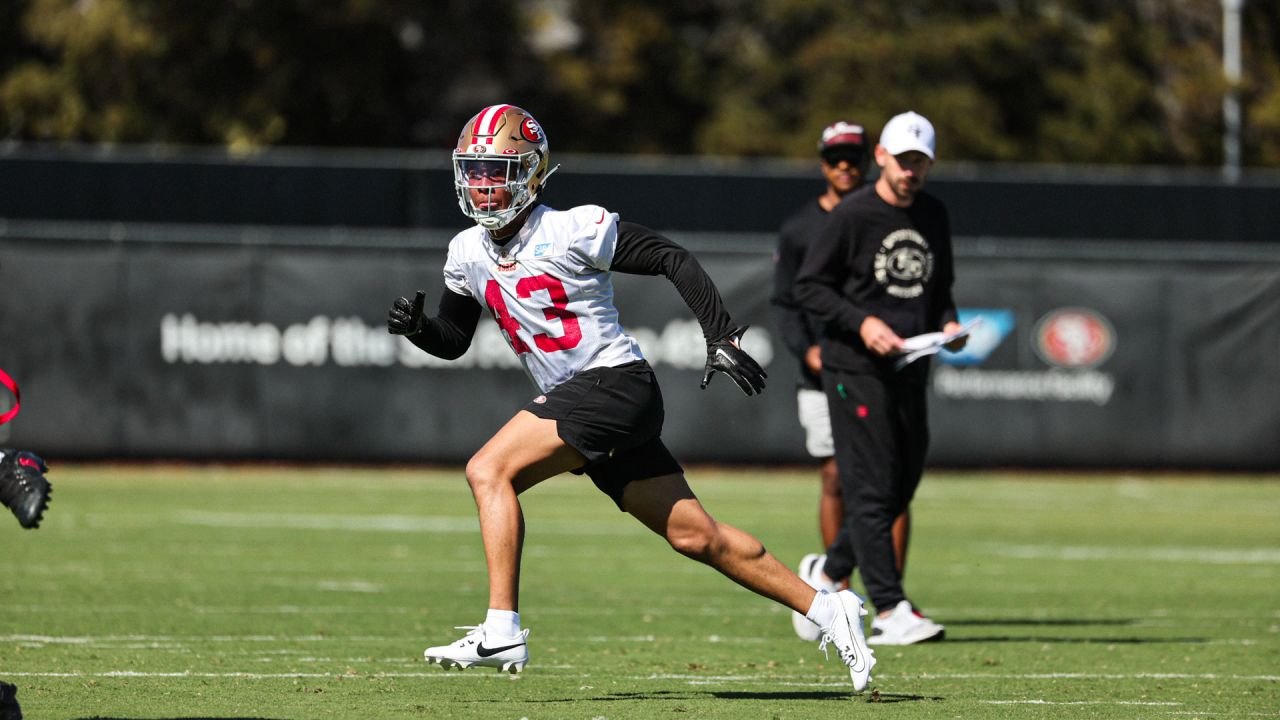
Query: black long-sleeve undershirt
point(639, 251)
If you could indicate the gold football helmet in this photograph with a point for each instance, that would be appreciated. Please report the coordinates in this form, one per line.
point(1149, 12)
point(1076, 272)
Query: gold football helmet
point(502, 146)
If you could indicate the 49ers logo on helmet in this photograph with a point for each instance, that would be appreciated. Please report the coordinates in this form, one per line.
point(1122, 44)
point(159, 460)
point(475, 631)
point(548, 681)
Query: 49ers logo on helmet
point(530, 131)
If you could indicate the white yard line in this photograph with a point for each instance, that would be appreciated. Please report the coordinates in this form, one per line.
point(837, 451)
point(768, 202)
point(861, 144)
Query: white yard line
point(694, 680)
point(444, 674)
point(180, 641)
point(91, 639)
point(1078, 702)
point(235, 675)
point(380, 523)
point(1201, 555)
point(1149, 617)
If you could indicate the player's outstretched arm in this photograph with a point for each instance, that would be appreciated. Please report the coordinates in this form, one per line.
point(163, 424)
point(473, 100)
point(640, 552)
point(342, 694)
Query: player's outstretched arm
point(23, 486)
point(447, 335)
point(727, 356)
point(644, 252)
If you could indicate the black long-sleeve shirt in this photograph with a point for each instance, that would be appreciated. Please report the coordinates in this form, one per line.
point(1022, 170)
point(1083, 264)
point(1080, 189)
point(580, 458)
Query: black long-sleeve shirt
point(638, 251)
point(799, 330)
point(872, 258)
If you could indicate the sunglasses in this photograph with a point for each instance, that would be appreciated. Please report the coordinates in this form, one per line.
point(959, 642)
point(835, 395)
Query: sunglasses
point(835, 157)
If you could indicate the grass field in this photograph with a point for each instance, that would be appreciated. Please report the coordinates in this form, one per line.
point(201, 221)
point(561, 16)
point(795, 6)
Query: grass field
point(191, 592)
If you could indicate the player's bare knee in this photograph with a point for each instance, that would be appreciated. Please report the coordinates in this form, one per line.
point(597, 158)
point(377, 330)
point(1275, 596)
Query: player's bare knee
point(694, 545)
point(484, 475)
point(699, 541)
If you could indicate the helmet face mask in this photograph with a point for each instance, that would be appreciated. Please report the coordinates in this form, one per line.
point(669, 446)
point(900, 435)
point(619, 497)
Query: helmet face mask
point(501, 148)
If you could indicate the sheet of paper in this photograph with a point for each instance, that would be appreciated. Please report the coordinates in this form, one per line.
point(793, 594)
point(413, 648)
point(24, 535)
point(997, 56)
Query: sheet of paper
point(926, 344)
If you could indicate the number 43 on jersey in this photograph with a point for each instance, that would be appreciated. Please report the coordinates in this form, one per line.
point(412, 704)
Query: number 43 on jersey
point(558, 310)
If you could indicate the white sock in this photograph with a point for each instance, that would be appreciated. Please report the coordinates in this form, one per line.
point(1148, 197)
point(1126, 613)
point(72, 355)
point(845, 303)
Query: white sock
point(502, 623)
point(823, 610)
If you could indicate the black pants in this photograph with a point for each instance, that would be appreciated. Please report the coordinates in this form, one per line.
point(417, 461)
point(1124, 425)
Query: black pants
point(881, 430)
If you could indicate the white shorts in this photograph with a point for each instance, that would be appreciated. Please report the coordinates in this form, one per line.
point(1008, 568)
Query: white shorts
point(815, 418)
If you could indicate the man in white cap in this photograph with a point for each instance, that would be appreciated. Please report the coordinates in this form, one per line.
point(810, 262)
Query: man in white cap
point(881, 270)
point(845, 154)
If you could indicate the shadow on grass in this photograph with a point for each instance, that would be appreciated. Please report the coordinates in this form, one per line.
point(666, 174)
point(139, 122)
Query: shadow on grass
point(871, 697)
point(1051, 640)
point(196, 717)
point(1044, 622)
point(1057, 623)
point(678, 695)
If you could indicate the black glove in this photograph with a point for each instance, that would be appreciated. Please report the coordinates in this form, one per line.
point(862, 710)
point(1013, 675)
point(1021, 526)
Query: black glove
point(406, 319)
point(23, 487)
point(725, 356)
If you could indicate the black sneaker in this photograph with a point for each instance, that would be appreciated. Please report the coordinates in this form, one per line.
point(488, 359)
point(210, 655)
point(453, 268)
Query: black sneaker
point(23, 488)
point(9, 709)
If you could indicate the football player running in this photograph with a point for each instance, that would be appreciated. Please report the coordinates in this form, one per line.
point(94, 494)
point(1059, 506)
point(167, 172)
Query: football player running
point(544, 275)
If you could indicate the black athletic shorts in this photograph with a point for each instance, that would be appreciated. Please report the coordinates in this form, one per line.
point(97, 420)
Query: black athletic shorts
point(613, 416)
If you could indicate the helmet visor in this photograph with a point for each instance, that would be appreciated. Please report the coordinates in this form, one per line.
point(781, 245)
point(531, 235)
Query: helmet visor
point(484, 173)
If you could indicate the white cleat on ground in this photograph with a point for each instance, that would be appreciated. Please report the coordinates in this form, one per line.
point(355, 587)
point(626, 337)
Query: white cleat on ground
point(845, 632)
point(479, 649)
point(904, 626)
point(810, 571)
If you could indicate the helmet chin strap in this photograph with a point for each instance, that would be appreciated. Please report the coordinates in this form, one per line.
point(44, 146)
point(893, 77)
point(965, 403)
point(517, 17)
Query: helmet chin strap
point(504, 217)
point(494, 229)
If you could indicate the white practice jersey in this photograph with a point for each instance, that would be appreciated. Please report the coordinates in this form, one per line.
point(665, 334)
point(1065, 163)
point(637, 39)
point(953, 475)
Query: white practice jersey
point(549, 289)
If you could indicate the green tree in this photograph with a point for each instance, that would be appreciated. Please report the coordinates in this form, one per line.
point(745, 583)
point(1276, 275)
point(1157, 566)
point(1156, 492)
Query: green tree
point(1052, 82)
point(1095, 81)
point(250, 73)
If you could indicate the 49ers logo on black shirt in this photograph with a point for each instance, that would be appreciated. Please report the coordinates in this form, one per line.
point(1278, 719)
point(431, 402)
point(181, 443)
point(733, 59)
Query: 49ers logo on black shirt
point(904, 263)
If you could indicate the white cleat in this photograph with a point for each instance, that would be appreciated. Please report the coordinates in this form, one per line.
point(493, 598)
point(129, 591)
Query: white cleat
point(478, 649)
point(845, 632)
point(810, 571)
point(904, 626)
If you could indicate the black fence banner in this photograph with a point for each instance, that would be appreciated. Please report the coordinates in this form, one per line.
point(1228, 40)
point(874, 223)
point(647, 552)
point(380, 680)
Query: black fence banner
point(1146, 361)
point(277, 350)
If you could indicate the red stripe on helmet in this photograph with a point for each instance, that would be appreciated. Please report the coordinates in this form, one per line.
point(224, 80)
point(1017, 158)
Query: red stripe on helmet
point(487, 121)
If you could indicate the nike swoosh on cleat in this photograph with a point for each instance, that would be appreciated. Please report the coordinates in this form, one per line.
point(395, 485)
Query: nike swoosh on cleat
point(859, 662)
point(483, 651)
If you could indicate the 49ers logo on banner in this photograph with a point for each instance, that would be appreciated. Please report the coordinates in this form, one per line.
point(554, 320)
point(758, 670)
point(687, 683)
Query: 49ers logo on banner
point(1074, 337)
point(530, 131)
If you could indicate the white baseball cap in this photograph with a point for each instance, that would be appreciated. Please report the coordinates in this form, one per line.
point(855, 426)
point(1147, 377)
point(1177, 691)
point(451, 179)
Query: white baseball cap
point(906, 132)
